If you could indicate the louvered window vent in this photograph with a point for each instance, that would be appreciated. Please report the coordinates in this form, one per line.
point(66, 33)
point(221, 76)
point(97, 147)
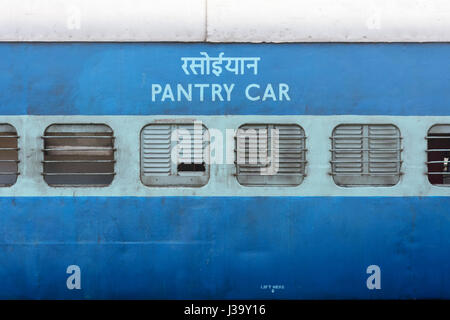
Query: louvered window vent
point(270, 155)
point(9, 155)
point(366, 155)
point(175, 154)
point(438, 155)
point(78, 155)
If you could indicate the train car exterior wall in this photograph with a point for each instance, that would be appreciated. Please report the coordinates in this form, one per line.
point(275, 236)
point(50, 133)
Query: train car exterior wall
point(224, 240)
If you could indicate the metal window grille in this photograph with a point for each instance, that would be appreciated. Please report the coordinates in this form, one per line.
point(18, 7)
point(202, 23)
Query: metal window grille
point(78, 155)
point(438, 155)
point(9, 155)
point(175, 154)
point(366, 155)
point(270, 155)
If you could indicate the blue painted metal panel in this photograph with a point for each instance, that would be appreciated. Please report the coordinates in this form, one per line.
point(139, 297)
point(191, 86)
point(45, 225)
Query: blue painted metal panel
point(324, 79)
point(224, 247)
point(221, 247)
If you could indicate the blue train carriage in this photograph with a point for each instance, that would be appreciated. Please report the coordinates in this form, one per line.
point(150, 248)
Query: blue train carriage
point(347, 195)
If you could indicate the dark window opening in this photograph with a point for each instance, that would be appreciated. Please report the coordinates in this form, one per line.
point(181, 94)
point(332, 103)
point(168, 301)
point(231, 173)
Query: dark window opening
point(191, 167)
point(9, 155)
point(438, 159)
point(78, 155)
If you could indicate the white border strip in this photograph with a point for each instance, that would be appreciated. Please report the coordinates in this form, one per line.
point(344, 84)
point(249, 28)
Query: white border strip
point(102, 20)
point(222, 181)
point(329, 21)
point(225, 20)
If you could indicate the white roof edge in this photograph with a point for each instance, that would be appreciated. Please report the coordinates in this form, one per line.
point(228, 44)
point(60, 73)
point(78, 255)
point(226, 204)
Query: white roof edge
point(102, 20)
point(225, 20)
point(329, 21)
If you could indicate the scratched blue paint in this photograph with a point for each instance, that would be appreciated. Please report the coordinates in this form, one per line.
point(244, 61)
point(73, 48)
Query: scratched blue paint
point(221, 247)
point(225, 247)
point(324, 79)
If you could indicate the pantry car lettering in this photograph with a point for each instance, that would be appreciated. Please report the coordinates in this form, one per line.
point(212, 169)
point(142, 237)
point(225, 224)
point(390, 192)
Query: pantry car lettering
point(218, 92)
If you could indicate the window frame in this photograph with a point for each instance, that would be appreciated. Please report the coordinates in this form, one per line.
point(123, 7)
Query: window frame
point(275, 180)
point(366, 179)
point(14, 134)
point(112, 148)
point(428, 173)
point(175, 180)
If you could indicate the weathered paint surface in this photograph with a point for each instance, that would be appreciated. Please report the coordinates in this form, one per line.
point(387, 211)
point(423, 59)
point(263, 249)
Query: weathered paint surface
point(225, 247)
point(324, 79)
point(225, 20)
point(220, 247)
